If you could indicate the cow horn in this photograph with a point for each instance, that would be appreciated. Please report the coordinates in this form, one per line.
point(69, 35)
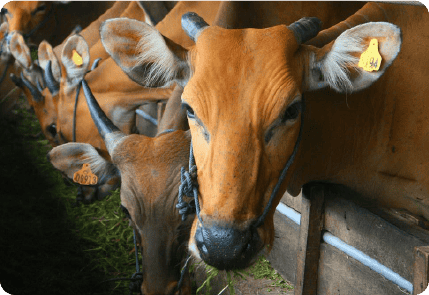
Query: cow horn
point(306, 28)
point(108, 131)
point(39, 87)
point(33, 90)
point(95, 63)
point(193, 25)
point(51, 83)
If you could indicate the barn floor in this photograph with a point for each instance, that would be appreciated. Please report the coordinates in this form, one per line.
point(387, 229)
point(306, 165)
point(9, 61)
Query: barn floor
point(48, 246)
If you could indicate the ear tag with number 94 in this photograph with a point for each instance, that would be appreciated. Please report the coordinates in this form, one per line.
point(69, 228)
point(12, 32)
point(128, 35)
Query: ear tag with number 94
point(85, 176)
point(370, 59)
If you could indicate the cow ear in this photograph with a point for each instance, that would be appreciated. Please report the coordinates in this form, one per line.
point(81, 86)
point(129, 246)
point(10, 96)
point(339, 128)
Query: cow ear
point(70, 157)
point(4, 29)
point(20, 50)
point(146, 56)
point(338, 64)
point(46, 54)
point(75, 59)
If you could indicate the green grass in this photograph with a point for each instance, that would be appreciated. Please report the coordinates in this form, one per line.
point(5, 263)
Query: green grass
point(34, 54)
point(48, 246)
point(262, 269)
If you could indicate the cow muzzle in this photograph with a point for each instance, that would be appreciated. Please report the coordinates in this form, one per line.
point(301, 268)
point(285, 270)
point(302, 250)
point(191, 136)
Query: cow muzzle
point(226, 247)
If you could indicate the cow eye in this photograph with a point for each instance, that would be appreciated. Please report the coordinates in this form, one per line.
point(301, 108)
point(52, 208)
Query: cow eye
point(189, 111)
point(292, 112)
point(125, 210)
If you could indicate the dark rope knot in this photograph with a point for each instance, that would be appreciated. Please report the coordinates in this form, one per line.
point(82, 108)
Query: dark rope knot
point(188, 187)
point(136, 282)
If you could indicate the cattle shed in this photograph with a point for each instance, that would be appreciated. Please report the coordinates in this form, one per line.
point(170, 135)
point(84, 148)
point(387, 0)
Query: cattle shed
point(327, 242)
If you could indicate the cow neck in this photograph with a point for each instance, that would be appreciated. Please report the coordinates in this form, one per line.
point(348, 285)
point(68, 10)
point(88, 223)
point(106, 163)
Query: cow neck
point(189, 182)
point(79, 86)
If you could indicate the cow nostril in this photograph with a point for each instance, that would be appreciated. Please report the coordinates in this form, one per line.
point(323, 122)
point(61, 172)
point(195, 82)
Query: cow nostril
point(227, 248)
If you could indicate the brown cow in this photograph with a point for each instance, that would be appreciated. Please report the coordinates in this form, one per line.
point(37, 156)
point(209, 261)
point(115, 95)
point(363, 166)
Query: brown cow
point(45, 102)
point(38, 20)
point(150, 171)
point(49, 20)
point(9, 93)
point(244, 92)
point(119, 96)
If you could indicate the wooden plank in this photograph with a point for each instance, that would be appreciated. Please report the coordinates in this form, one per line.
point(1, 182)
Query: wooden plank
point(312, 217)
point(340, 274)
point(417, 228)
point(292, 202)
point(421, 269)
point(371, 234)
point(283, 252)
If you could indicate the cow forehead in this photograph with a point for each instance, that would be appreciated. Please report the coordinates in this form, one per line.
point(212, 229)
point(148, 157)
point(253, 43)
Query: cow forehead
point(242, 71)
point(150, 171)
point(244, 48)
point(149, 166)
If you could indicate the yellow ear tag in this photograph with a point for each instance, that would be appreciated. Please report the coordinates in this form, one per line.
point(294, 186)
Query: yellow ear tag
point(85, 176)
point(77, 59)
point(370, 59)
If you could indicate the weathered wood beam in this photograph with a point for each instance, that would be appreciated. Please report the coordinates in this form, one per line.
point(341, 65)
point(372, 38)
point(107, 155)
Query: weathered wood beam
point(421, 269)
point(312, 220)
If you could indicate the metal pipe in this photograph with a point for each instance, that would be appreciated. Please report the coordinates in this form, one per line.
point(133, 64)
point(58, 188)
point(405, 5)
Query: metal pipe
point(351, 251)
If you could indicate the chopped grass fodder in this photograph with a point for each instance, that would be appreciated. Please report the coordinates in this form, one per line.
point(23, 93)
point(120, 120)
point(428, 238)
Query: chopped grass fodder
point(260, 270)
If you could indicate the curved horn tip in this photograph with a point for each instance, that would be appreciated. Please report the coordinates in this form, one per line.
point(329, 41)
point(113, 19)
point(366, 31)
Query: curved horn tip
point(51, 83)
point(39, 86)
point(193, 25)
point(111, 134)
point(95, 63)
point(306, 28)
point(33, 90)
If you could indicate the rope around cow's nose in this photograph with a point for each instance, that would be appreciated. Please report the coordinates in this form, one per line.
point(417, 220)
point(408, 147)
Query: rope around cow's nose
point(189, 187)
point(189, 182)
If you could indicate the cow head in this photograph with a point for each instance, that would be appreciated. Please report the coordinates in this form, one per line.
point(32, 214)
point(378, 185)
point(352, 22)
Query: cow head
point(118, 96)
point(24, 16)
point(150, 175)
point(244, 95)
point(39, 81)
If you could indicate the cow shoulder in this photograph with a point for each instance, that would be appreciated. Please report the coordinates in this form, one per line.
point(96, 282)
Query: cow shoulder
point(143, 53)
point(337, 64)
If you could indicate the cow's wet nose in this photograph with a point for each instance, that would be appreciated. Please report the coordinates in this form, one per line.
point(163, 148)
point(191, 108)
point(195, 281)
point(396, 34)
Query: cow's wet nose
point(226, 247)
